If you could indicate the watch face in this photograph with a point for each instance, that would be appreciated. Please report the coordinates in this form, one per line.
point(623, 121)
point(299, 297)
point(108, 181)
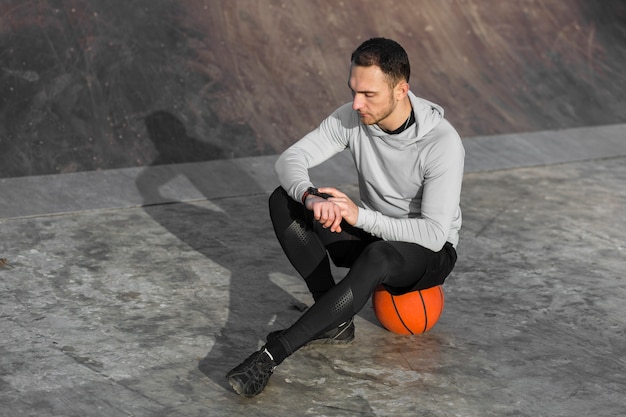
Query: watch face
point(314, 191)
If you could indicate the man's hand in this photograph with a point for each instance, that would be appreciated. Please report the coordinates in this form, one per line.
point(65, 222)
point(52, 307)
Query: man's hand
point(325, 212)
point(348, 209)
point(332, 211)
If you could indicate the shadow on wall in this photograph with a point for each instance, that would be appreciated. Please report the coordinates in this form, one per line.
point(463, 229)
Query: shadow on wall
point(77, 79)
point(173, 144)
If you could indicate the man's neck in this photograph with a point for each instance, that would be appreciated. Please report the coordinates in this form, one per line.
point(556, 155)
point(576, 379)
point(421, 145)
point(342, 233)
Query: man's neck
point(404, 119)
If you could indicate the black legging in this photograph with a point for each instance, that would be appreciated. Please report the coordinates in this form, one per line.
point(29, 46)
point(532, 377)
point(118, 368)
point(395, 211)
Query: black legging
point(398, 266)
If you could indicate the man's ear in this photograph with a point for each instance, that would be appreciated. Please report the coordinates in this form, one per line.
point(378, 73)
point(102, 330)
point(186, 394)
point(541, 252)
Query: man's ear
point(402, 90)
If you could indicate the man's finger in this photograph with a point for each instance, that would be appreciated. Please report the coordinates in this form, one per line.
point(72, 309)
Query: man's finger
point(331, 190)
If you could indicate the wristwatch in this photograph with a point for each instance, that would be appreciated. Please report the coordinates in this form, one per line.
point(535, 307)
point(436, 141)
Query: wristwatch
point(314, 191)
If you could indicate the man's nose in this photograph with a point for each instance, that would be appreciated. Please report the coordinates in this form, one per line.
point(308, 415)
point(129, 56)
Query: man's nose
point(357, 102)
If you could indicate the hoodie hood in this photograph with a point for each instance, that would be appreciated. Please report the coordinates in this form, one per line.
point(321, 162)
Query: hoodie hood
point(427, 116)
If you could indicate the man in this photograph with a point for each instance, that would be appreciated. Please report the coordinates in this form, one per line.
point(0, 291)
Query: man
point(404, 232)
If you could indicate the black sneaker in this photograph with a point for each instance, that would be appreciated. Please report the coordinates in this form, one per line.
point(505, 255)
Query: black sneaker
point(341, 335)
point(251, 376)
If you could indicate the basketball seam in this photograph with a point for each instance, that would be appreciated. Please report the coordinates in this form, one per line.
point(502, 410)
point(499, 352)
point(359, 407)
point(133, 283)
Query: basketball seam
point(393, 300)
point(442, 300)
point(425, 312)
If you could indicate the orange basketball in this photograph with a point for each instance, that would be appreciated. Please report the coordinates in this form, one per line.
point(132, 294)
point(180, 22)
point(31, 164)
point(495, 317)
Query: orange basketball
point(412, 313)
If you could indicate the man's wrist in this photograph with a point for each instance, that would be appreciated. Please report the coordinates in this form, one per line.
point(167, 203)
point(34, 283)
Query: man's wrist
point(314, 191)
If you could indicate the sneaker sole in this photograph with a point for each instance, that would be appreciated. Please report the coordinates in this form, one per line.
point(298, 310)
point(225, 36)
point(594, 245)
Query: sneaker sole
point(334, 341)
point(234, 384)
point(329, 342)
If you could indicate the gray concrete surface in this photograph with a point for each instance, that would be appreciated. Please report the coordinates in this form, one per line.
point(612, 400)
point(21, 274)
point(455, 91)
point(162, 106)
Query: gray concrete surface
point(111, 308)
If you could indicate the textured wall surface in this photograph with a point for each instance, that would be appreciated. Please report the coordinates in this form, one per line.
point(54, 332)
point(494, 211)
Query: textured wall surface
point(88, 85)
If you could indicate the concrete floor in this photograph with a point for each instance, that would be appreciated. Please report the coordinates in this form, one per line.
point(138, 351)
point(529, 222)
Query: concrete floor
point(132, 293)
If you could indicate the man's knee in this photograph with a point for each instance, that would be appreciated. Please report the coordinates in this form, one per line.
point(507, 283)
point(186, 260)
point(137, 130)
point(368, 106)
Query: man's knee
point(278, 197)
point(284, 210)
point(279, 203)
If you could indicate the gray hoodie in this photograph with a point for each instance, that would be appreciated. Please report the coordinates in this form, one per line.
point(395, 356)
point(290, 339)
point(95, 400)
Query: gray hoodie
point(409, 183)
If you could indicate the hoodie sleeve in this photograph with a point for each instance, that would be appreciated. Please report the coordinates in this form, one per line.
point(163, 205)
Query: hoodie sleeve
point(330, 138)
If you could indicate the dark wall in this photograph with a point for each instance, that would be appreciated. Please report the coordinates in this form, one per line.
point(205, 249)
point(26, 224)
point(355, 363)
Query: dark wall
point(88, 85)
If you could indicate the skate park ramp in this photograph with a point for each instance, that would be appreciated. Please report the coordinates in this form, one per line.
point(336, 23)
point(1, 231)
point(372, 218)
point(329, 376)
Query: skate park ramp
point(88, 85)
point(138, 263)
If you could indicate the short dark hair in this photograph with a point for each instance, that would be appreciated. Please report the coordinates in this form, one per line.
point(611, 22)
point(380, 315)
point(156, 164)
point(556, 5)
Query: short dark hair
point(387, 54)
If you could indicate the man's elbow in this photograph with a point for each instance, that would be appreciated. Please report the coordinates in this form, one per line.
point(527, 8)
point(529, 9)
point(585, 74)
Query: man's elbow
point(438, 238)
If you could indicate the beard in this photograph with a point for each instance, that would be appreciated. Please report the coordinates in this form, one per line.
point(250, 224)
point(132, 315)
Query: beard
point(376, 118)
